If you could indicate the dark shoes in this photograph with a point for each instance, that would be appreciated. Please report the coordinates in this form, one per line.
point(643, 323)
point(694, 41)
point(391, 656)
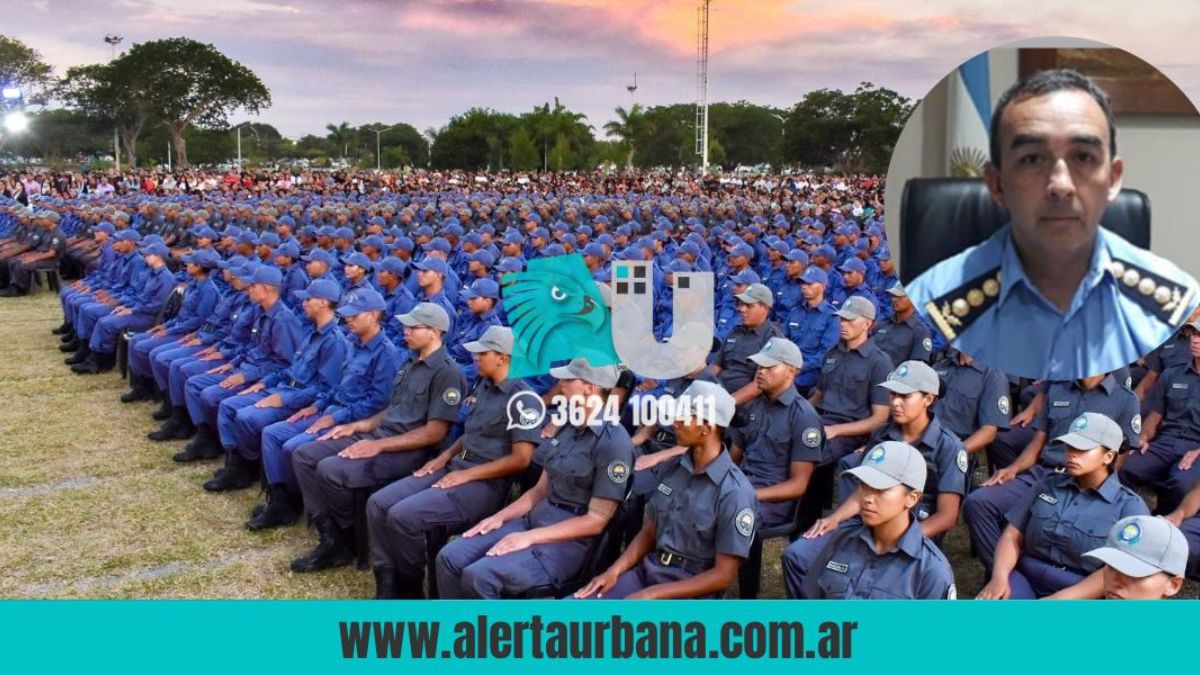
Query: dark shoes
point(334, 549)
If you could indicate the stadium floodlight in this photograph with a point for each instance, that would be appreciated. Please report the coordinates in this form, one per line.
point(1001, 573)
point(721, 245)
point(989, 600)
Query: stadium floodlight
point(16, 122)
point(11, 94)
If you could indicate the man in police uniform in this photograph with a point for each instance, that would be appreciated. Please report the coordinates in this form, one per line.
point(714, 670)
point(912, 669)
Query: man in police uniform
point(1081, 299)
point(733, 368)
point(902, 336)
point(850, 404)
point(974, 404)
point(370, 453)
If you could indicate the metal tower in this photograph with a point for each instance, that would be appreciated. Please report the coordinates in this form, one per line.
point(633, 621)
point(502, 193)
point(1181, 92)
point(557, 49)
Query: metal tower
point(702, 84)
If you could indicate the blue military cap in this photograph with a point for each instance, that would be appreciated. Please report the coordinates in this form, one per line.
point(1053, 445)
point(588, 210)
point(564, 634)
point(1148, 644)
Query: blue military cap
point(559, 226)
point(487, 228)
point(569, 238)
point(509, 264)
point(268, 239)
point(204, 232)
point(679, 266)
point(484, 257)
point(815, 275)
point(377, 220)
point(862, 245)
point(234, 263)
point(287, 220)
point(106, 227)
point(595, 250)
point(403, 243)
point(533, 217)
point(584, 229)
point(473, 238)
point(606, 238)
point(746, 276)
point(289, 249)
point(690, 247)
point(152, 238)
point(624, 230)
point(374, 240)
point(481, 288)
point(247, 238)
point(344, 233)
point(601, 219)
point(540, 233)
point(513, 237)
point(853, 265)
point(358, 259)
point(743, 249)
point(233, 232)
point(432, 264)
point(326, 289)
point(797, 255)
point(782, 246)
point(327, 231)
point(554, 250)
point(156, 248)
point(825, 251)
point(319, 254)
point(424, 231)
point(394, 265)
point(361, 300)
point(247, 270)
point(438, 244)
point(270, 276)
point(204, 257)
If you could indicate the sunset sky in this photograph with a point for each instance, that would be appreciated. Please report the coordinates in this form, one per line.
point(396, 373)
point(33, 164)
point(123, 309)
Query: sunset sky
point(421, 62)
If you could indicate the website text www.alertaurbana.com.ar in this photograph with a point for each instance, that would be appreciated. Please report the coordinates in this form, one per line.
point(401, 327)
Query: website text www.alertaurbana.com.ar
point(615, 638)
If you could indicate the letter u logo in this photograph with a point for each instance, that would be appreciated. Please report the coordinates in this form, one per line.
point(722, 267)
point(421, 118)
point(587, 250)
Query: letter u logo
point(633, 321)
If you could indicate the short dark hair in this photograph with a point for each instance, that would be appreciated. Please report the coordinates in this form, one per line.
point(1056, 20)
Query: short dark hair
point(1047, 82)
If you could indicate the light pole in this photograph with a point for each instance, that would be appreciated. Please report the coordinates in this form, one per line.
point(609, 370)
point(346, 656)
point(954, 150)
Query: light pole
point(239, 141)
point(378, 133)
point(782, 131)
point(113, 41)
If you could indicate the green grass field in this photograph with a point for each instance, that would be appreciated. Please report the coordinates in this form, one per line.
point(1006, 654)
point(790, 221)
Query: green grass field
point(90, 508)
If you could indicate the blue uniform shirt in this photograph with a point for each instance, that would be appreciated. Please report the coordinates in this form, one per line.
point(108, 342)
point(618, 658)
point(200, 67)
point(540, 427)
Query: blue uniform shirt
point(903, 340)
point(699, 515)
point(199, 301)
point(1176, 396)
point(276, 335)
point(848, 379)
point(815, 330)
point(849, 568)
point(1067, 400)
point(367, 381)
point(1129, 303)
point(316, 370)
point(1060, 522)
point(974, 397)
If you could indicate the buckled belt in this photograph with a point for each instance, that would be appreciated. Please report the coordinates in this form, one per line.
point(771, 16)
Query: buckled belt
point(471, 457)
point(569, 508)
point(670, 559)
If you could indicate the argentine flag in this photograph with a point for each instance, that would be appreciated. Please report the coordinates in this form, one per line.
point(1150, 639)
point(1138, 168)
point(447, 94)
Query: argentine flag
point(969, 112)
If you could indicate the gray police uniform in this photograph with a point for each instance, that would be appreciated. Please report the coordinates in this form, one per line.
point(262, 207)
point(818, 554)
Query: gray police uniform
point(737, 370)
point(984, 508)
point(974, 396)
point(903, 340)
point(776, 434)
point(1175, 396)
point(850, 569)
point(400, 514)
point(696, 516)
point(580, 463)
point(847, 382)
point(1059, 523)
point(425, 389)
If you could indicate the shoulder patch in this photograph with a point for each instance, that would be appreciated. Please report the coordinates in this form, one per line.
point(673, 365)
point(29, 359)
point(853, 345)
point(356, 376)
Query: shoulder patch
point(1158, 296)
point(1136, 423)
point(1002, 404)
point(961, 461)
point(927, 344)
point(744, 522)
point(451, 396)
point(812, 437)
point(957, 310)
point(618, 471)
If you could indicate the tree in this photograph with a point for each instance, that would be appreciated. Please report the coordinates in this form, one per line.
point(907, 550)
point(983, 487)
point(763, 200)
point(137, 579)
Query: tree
point(626, 128)
point(189, 83)
point(22, 67)
point(114, 92)
point(522, 151)
point(854, 132)
point(547, 125)
point(340, 136)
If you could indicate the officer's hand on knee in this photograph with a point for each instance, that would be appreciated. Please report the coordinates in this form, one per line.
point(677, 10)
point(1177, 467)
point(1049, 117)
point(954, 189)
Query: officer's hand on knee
point(452, 479)
point(822, 526)
point(599, 585)
point(484, 526)
point(1001, 477)
point(1189, 458)
point(300, 414)
point(996, 589)
point(338, 431)
point(511, 543)
point(435, 464)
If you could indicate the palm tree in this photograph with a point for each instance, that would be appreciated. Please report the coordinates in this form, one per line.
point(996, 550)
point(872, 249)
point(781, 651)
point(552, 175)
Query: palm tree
point(626, 128)
point(548, 124)
point(340, 135)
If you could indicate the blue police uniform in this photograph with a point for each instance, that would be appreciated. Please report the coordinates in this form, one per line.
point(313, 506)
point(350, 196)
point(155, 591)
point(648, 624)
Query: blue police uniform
point(902, 341)
point(974, 396)
point(776, 434)
point(200, 298)
point(470, 328)
point(847, 383)
point(426, 389)
point(985, 507)
point(1129, 303)
point(400, 515)
point(815, 330)
point(848, 568)
point(737, 370)
point(145, 306)
point(1059, 523)
point(1176, 397)
point(580, 464)
point(366, 385)
point(697, 515)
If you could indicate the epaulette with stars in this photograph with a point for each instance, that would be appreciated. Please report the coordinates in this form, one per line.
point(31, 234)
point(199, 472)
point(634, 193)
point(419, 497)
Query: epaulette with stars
point(957, 310)
point(1158, 296)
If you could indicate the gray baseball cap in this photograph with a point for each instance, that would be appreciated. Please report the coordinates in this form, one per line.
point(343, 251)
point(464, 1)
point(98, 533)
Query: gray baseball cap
point(707, 399)
point(604, 377)
point(757, 293)
point(891, 463)
point(494, 339)
point(857, 307)
point(1092, 430)
point(912, 376)
point(897, 289)
point(1139, 546)
point(779, 350)
point(426, 314)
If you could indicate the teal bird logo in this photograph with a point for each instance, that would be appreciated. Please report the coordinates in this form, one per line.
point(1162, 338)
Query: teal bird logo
point(557, 314)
